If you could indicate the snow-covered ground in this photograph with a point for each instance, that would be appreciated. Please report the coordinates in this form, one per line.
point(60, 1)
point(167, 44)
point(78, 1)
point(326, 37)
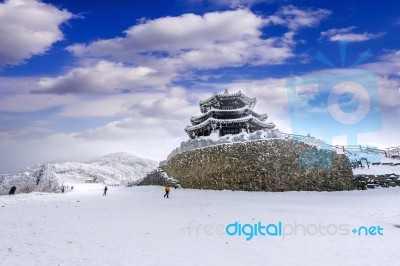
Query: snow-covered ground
point(137, 226)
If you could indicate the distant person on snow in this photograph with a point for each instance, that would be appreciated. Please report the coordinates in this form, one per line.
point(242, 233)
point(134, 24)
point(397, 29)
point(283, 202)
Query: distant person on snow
point(12, 190)
point(167, 189)
point(105, 191)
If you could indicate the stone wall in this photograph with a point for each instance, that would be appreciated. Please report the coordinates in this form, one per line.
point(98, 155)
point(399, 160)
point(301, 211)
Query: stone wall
point(263, 165)
point(362, 182)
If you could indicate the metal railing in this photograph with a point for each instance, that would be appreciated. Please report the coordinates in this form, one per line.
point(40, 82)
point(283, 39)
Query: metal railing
point(393, 151)
point(350, 149)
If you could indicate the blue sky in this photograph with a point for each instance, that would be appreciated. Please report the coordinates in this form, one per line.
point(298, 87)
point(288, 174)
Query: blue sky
point(85, 78)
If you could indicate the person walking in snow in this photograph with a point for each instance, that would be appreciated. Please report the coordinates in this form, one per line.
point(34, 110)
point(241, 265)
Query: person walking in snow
point(167, 189)
point(12, 190)
point(105, 191)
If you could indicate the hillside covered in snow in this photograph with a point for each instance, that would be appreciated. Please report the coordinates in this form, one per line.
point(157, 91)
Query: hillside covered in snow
point(113, 169)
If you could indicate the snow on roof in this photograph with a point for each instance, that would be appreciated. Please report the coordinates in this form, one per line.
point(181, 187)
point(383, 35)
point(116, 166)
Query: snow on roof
point(249, 118)
point(226, 96)
point(242, 110)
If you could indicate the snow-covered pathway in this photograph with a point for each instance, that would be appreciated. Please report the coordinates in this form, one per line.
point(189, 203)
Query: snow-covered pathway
point(137, 226)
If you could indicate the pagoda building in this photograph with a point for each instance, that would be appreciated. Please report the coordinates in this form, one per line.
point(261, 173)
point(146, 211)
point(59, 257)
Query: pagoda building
point(227, 113)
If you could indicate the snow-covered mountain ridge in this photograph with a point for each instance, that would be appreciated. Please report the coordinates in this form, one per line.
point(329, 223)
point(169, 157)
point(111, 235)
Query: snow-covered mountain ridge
point(113, 169)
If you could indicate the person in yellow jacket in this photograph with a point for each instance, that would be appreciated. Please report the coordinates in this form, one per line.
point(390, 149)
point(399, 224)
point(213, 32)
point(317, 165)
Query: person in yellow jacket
point(167, 189)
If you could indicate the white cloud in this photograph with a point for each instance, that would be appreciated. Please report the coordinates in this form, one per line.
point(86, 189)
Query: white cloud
point(106, 106)
point(5, 135)
point(172, 102)
point(217, 39)
point(160, 117)
point(140, 128)
point(157, 52)
point(387, 136)
point(103, 77)
point(295, 18)
point(389, 92)
point(14, 85)
point(174, 105)
point(27, 102)
point(172, 34)
point(165, 49)
point(346, 34)
point(387, 64)
point(387, 71)
point(230, 3)
point(28, 27)
point(16, 96)
point(151, 128)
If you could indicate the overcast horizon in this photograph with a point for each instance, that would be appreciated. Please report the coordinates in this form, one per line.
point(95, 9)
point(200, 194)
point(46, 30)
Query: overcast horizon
point(81, 80)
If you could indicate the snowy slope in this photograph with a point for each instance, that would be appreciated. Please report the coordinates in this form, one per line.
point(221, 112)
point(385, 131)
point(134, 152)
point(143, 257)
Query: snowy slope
point(137, 226)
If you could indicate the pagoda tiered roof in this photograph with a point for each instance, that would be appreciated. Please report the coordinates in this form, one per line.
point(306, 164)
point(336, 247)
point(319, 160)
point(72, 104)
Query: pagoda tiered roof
point(247, 119)
point(222, 112)
point(227, 113)
point(216, 98)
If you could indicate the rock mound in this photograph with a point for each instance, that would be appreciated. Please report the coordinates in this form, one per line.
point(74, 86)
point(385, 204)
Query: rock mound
point(157, 177)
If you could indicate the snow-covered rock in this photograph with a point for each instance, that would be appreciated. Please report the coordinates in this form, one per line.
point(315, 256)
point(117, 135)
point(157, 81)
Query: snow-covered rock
point(157, 177)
